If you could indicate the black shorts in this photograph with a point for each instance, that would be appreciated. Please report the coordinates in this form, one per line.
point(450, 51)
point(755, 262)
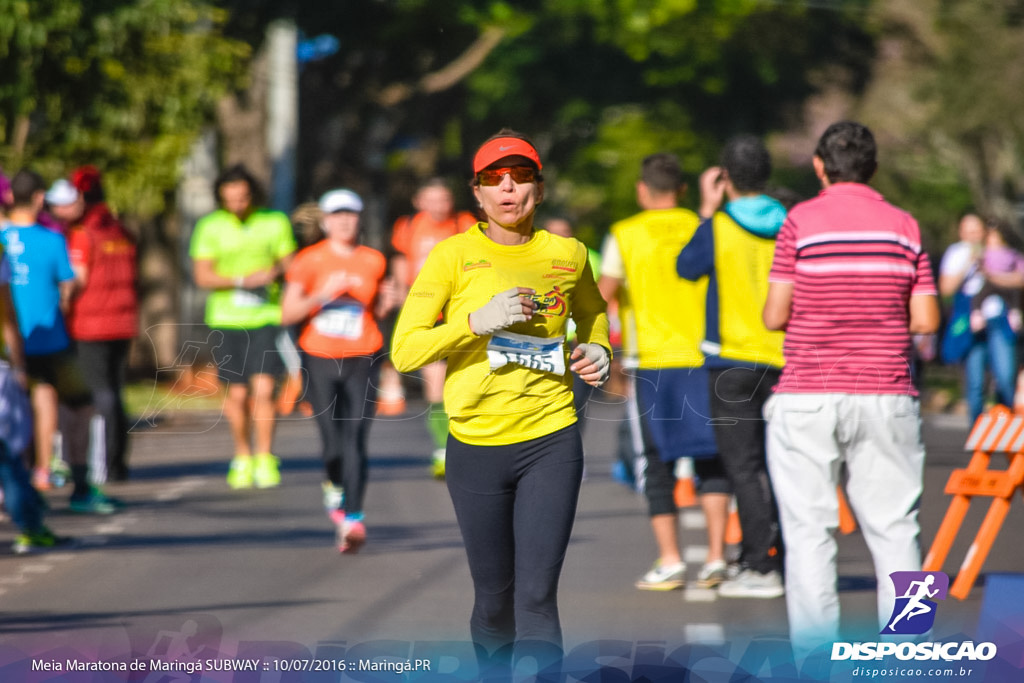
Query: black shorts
point(61, 371)
point(239, 353)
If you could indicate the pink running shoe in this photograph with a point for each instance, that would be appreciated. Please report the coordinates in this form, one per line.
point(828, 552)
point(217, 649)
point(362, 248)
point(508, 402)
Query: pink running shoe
point(350, 535)
point(354, 536)
point(338, 519)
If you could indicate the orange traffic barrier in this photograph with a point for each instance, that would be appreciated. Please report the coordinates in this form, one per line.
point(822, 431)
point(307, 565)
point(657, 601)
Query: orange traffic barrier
point(996, 431)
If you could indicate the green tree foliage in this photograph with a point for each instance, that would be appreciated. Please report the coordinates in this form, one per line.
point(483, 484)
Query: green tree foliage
point(122, 85)
point(596, 83)
point(608, 83)
point(948, 101)
point(387, 108)
point(977, 91)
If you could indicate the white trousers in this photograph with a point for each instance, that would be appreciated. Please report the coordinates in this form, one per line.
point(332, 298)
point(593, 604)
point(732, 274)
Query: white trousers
point(810, 436)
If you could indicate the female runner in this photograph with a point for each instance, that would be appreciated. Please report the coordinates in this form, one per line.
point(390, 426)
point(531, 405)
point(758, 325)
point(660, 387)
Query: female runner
point(514, 455)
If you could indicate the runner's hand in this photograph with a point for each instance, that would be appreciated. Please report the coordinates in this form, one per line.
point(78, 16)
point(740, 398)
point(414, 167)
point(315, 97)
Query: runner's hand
point(334, 286)
point(389, 295)
point(712, 191)
point(504, 309)
point(261, 278)
point(593, 363)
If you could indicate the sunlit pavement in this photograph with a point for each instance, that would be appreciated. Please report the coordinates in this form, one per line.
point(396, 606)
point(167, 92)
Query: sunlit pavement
point(191, 562)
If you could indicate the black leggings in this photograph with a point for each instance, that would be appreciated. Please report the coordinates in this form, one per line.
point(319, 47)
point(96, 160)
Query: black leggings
point(102, 365)
point(515, 505)
point(342, 397)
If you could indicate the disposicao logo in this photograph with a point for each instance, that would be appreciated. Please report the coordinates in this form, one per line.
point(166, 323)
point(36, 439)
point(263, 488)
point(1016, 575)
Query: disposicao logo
point(916, 592)
point(914, 614)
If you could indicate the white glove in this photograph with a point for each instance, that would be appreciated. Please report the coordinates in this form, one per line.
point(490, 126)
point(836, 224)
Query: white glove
point(504, 309)
point(593, 363)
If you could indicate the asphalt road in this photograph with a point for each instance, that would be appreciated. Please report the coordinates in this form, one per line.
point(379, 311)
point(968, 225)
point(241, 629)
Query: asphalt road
point(191, 571)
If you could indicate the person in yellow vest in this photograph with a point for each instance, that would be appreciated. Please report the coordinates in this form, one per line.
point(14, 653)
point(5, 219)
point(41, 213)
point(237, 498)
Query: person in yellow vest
point(671, 381)
point(734, 247)
point(506, 292)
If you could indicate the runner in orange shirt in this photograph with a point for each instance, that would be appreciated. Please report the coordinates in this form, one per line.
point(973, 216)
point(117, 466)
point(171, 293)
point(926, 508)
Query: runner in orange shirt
point(413, 237)
point(333, 290)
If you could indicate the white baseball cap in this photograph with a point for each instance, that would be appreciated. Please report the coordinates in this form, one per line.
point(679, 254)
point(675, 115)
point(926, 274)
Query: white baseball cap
point(61, 193)
point(341, 200)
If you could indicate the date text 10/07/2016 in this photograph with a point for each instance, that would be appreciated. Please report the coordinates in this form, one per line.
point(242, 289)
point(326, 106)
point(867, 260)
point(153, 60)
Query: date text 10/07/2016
point(387, 665)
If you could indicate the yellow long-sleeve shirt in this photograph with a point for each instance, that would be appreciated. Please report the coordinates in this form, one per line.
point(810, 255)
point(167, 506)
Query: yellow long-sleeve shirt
point(512, 403)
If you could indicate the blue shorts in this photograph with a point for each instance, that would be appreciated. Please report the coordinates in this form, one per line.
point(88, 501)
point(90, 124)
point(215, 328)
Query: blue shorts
point(674, 403)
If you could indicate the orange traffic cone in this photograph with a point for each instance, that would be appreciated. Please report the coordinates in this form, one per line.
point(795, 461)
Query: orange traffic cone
point(686, 491)
point(733, 531)
point(847, 522)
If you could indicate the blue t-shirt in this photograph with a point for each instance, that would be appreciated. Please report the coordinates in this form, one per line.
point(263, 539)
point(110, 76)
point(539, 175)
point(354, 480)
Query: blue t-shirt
point(39, 263)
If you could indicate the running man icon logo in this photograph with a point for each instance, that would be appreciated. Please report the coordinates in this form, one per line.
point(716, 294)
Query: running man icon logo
point(914, 611)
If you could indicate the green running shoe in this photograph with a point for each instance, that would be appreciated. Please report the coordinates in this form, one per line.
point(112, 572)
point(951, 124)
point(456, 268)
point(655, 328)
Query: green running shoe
point(39, 541)
point(265, 473)
point(94, 502)
point(240, 474)
point(437, 464)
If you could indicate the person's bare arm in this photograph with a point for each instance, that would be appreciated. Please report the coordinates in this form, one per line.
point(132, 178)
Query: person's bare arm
point(295, 304)
point(205, 276)
point(400, 275)
point(262, 278)
point(778, 306)
point(712, 191)
point(1007, 280)
point(609, 287)
point(950, 284)
point(81, 276)
point(67, 293)
point(388, 297)
point(924, 314)
point(281, 267)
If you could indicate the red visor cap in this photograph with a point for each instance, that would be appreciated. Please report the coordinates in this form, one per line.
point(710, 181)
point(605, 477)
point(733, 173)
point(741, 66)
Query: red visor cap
point(499, 148)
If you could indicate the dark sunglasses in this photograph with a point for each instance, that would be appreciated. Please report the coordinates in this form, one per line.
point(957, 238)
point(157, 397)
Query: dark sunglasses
point(493, 176)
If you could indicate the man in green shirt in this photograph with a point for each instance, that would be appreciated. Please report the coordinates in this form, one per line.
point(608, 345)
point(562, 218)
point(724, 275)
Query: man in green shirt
point(239, 252)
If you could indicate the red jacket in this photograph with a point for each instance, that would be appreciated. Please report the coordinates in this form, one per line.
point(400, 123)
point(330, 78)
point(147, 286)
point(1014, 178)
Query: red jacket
point(108, 308)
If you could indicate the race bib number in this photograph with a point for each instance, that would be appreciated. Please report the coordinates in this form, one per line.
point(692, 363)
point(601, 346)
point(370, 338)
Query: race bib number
point(341, 322)
point(250, 298)
point(536, 353)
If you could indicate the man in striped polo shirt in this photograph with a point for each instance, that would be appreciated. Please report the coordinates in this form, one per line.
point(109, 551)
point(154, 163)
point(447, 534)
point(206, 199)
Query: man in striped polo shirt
point(849, 284)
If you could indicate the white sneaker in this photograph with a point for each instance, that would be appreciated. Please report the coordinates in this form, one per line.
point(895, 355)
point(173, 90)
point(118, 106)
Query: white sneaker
point(334, 496)
point(753, 584)
point(712, 574)
point(661, 578)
